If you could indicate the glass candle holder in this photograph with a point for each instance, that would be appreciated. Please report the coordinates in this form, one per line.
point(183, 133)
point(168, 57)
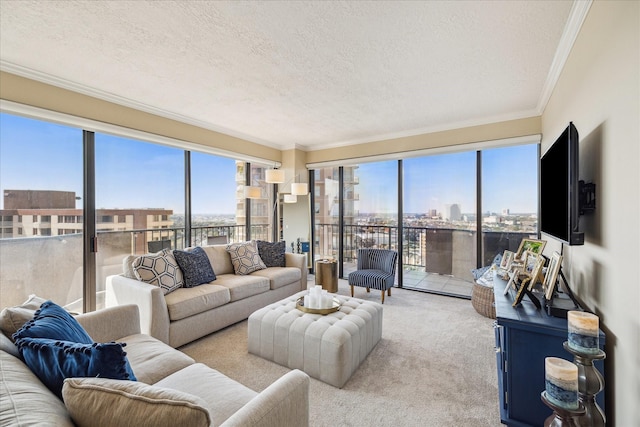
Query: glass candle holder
point(561, 382)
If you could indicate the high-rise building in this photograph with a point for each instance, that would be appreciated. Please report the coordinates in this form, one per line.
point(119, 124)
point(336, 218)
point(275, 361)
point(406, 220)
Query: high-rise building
point(452, 212)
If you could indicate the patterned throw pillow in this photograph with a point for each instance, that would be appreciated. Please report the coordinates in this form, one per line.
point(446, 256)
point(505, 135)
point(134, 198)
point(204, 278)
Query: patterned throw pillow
point(195, 267)
point(272, 254)
point(245, 258)
point(160, 269)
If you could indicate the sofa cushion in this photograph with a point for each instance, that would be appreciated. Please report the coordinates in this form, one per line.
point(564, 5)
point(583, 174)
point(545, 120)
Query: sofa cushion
point(245, 257)
point(279, 277)
point(272, 254)
point(151, 359)
point(219, 258)
point(53, 321)
point(222, 395)
point(107, 403)
point(54, 360)
point(186, 302)
point(241, 287)
point(24, 400)
point(160, 269)
point(12, 318)
point(195, 266)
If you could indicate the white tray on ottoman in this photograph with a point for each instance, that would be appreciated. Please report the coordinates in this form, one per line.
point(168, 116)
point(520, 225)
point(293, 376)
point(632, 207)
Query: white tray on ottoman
point(327, 347)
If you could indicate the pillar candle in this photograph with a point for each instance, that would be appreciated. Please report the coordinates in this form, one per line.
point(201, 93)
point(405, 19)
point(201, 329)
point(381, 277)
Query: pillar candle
point(583, 332)
point(561, 382)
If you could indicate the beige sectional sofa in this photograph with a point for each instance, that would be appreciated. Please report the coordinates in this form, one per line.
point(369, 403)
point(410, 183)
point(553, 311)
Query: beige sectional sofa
point(171, 389)
point(187, 314)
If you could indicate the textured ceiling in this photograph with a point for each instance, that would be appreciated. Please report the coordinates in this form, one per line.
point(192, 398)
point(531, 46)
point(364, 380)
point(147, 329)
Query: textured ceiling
point(307, 74)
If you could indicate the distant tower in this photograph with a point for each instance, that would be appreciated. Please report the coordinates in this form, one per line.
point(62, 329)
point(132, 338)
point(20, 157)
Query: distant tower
point(505, 212)
point(452, 212)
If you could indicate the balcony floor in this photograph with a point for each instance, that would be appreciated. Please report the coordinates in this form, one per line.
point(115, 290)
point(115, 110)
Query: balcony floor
point(424, 281)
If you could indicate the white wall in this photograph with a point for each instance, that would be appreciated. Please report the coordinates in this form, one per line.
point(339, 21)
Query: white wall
point(599, 90)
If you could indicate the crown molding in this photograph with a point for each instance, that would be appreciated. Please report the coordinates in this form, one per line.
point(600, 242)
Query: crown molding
point(125, 102)
point(431, 129)
point(107, 128)
point(577, 15)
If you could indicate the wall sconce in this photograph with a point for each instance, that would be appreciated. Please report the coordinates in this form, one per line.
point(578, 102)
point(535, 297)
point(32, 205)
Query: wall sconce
point(274, 176)
point(290, 198)
point(252, 192)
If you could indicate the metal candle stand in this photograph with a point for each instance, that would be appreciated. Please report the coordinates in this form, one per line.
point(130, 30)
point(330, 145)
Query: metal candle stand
point(590, 383)
point(562, 417)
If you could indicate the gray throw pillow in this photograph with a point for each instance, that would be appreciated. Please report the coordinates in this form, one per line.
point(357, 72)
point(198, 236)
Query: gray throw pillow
point(195, 266)
point(272, 254)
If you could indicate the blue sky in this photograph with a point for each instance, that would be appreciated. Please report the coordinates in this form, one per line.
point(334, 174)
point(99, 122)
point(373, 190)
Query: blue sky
point(38, 155)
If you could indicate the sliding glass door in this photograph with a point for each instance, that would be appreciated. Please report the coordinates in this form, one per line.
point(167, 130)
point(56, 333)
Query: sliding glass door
point(439, 222)
point(41, 240)
point(370, 209)
point(139, 202)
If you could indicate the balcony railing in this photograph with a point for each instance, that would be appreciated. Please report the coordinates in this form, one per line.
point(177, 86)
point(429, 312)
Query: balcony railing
point(447, 251)
point(51, 267)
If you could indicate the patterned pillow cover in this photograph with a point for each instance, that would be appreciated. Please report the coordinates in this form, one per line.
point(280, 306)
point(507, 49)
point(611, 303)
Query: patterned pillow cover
point(272, 254)
point(160, 269)
point(195, 267)
point(245, 257)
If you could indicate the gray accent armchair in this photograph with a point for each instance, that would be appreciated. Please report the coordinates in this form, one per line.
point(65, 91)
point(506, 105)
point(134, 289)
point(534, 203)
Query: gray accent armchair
point(376, 268)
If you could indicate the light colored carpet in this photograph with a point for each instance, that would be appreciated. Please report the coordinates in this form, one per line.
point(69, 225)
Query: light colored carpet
point(434, 366)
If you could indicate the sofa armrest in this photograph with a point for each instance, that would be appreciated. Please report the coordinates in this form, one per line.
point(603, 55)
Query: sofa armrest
point(283, 403)
point(154, 316)
point(299, 261)
point(111, 324)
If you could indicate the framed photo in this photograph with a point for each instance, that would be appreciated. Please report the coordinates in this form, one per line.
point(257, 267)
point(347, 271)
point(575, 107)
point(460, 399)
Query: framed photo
point(507, 259)
point(531, 245)
point(551, 277)
point(521, 291)
point(536, 271)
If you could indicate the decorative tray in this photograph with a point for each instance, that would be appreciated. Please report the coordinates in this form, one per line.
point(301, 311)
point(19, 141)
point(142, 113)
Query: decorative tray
point(334, 307)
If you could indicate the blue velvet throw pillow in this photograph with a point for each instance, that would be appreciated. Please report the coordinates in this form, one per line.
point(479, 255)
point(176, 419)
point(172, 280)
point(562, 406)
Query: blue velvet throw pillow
point(272, 254)
point(53, 321)
point(54, 360)
point(195, 266)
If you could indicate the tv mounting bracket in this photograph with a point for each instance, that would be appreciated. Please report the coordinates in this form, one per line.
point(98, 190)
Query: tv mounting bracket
point(586, 197)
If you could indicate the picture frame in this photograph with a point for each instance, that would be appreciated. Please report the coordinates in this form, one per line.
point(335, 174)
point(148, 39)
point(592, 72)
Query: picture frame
point(531, 245)
point(522, 288)
point(507, 259)
point(536, 271)
point(550, 279)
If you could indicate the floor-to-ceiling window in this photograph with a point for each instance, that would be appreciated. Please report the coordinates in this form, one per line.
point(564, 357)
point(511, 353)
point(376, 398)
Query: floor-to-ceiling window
point(509, 198)
point(325, 213)
point(439, 241)
point(41, 182)
point(213, 200)
point(370, 209)
point(140, 187)
point(262, 207)
point(137, 205)
point(439, 222)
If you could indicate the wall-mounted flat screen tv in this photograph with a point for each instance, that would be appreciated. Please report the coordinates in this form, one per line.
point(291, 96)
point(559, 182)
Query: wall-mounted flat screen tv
point(559, 189)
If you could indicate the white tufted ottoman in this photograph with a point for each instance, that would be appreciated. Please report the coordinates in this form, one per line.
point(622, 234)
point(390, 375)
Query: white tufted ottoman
point(329, 348)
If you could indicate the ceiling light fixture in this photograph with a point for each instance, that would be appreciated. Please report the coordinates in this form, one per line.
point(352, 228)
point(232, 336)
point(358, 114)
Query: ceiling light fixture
point(290, 198)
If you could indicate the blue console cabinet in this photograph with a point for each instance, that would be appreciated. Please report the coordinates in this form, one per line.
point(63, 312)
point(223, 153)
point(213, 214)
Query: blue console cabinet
point(524, 337)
